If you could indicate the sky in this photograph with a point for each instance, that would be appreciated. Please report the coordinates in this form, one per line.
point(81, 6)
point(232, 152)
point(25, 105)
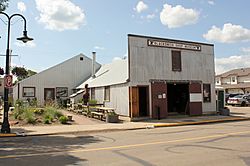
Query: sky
point(64, 28)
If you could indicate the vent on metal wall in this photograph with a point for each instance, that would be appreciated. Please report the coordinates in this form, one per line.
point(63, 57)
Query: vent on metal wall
point(81, 58)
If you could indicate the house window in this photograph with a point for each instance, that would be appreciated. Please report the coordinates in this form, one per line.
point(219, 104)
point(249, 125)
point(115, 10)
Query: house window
point(233, 79)
point(29, 91)
point(176, 60)
point(206, 93)
point(61, 92)
point(93, 93)
point(107, 93)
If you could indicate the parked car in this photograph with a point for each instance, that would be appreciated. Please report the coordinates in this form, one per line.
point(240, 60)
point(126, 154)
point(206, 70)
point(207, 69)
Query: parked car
point(228, 95)
point(241, 100)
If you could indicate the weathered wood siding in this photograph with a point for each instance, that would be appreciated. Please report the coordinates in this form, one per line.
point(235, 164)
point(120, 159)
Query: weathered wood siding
point(147, 62)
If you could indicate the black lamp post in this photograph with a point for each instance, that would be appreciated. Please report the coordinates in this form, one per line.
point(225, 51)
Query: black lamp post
point(5, 125)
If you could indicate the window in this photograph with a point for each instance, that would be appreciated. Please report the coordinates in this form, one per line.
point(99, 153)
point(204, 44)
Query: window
point(61, 92)
point(81, 58)
point(93, 93)
point(206, 93)
point(233, 79)
point(107, 93)
point(176, 60)
point(29, 91)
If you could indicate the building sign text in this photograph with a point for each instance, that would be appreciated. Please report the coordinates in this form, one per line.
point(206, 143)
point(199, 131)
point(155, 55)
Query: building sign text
point(171, 44)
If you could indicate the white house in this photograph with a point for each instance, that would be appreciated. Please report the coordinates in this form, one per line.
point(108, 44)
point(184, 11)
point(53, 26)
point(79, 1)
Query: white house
point(58, 81)
point(235, 81)
point(159, 78)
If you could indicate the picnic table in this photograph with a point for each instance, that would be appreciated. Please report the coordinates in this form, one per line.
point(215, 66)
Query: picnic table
point(101, 112)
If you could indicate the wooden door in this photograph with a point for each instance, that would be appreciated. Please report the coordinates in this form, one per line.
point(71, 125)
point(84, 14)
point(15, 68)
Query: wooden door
point(49, 94)
point(195, 105)
point(133, 102)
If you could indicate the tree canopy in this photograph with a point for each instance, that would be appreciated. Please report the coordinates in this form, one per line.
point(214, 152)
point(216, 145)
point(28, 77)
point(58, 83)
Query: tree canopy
point(21, 73)
point(3, 4)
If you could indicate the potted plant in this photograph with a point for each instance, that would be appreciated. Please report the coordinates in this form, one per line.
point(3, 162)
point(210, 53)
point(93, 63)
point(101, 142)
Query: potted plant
point(112, 117)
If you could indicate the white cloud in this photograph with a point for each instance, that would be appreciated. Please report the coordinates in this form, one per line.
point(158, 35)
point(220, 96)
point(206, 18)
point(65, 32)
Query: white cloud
point(150, 16)
point(30, 44)
point(228, 34)
point(211, 2)
point(60, 14)
point(178, 16)
point(116, 59)
point(246, 50)
point(21, 6)
point(140, 7)
point(99, 48)
point(225, 64)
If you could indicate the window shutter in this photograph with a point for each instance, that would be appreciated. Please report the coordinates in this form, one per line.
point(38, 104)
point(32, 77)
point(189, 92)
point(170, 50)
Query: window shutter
point(176, 60)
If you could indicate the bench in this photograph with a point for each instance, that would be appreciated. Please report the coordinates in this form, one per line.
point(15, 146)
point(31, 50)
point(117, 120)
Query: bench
point(100, 115)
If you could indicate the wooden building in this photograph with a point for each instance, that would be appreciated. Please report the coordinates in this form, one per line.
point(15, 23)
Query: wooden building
point(159, 78)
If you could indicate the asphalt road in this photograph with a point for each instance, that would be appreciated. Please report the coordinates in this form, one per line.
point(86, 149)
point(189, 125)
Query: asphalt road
point(214, 144)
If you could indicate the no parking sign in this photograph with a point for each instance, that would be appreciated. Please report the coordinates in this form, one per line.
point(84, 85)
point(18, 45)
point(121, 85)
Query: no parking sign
point(8, 81)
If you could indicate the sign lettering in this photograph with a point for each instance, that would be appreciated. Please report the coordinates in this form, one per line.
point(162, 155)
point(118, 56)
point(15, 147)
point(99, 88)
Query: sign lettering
point(187, 46)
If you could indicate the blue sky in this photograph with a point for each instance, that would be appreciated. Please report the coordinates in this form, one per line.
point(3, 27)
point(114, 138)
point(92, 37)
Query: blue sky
point(64, 28)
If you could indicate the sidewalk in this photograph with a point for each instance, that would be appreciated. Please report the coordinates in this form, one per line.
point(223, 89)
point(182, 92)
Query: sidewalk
point(105, 127)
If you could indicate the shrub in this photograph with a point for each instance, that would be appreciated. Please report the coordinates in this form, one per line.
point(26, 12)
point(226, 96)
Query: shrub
point(39, 111)
point(29, 116)
point(63, 119)
point(46, 121)
point(49, 117)
point(58, 114)
point(92, 102)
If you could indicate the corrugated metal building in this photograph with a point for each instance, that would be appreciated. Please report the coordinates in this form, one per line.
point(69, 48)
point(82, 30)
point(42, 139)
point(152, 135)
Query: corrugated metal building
point(160, 77)
point(56, 82)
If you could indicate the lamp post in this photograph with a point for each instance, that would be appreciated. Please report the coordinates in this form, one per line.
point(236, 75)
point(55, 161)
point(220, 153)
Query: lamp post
point(5, 125)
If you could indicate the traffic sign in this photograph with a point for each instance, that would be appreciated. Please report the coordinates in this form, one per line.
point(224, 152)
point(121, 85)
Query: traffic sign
point(8, 81)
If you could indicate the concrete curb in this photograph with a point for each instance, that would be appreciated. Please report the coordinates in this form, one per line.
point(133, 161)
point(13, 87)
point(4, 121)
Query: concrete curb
point(201, 122)
point(124, 129)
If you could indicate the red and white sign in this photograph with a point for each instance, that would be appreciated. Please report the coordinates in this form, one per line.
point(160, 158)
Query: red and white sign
point(8, 81)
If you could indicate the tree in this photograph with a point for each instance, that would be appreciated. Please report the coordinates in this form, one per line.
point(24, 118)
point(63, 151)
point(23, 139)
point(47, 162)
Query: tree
point(21, 73)
point(3, 4)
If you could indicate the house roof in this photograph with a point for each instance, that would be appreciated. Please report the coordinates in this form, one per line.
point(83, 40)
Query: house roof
point(236, 72)
point(109, 74)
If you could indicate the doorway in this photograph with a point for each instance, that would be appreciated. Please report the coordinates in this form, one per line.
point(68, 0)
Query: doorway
point(178, 98)
point(143, 101)
point(49, 94)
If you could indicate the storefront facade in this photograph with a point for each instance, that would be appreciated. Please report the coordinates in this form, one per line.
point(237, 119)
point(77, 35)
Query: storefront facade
point(169, 77)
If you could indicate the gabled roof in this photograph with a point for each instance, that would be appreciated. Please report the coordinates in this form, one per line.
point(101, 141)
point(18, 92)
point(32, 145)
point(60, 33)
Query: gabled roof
point(236, 72)
point(109, 74)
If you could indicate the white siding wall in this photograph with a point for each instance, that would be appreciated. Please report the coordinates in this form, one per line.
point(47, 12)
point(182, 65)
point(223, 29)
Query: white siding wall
point(244, 79)
point(119, 98)
point(155, 63)
point(70, 73)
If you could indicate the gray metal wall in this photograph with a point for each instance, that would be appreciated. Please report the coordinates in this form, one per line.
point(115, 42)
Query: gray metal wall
point(69, 73)
point(119, 98)
point(147, 62)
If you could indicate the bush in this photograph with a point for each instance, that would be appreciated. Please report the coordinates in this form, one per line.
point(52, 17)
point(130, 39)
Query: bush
point(63, 119)
point(46, 121)
point(39, 111)
point(92, 102)
point(29, 116)
point(58, 114)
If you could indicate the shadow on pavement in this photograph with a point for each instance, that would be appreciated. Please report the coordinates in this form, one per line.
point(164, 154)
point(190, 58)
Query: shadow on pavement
point(44, 150)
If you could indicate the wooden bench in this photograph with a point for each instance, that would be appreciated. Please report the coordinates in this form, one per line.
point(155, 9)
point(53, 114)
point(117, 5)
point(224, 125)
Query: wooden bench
point(100, 115)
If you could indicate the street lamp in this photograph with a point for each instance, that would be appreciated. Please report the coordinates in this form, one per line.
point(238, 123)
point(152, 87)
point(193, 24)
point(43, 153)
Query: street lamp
point(5, 125)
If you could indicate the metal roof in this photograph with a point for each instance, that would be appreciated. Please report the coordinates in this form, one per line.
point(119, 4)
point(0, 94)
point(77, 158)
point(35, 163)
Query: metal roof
point(109, 74)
